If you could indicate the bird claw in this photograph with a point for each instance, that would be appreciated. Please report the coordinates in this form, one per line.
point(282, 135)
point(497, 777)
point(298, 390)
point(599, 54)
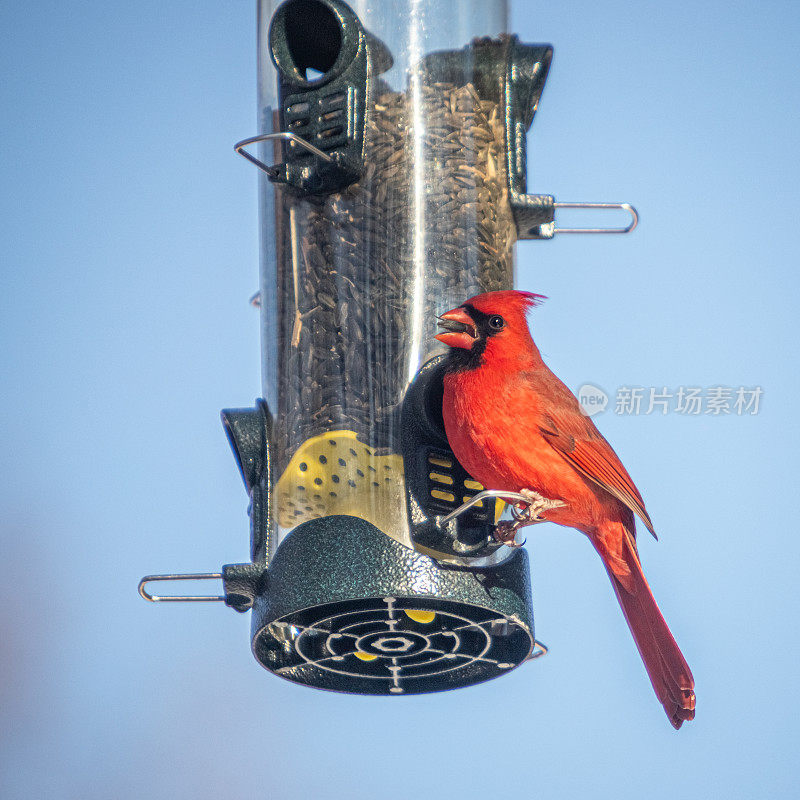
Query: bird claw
point(506, 531)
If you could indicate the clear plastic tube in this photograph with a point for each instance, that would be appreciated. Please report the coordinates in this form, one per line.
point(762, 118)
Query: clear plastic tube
point(352, 281)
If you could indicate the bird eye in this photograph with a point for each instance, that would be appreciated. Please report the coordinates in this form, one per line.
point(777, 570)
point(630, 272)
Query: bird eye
point(496, 322)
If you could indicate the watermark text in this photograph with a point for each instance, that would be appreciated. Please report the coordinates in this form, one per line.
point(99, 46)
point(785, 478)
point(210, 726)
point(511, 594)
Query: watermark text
point(685, 400)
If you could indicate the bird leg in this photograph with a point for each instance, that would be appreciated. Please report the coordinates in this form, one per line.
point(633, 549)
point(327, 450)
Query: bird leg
point(506, 530)
point(537, 505)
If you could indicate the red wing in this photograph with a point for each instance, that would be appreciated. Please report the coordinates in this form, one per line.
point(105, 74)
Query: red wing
point(584, 447)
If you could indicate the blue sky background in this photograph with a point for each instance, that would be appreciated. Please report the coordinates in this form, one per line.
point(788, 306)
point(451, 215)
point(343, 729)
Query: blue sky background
point(129, 250)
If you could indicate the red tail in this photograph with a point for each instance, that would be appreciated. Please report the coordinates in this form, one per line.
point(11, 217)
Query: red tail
point(669, 673)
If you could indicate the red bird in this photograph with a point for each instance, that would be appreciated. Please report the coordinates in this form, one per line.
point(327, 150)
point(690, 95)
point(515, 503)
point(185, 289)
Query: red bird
point(515, 426)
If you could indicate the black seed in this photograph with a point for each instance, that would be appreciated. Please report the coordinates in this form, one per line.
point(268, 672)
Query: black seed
point(349, 356)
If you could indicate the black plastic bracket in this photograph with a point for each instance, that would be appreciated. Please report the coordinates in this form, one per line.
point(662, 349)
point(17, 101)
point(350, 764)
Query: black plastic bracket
point(249, 432)
point(436, 483)
point(242, 583)
point(526, 68)
point(326, 61)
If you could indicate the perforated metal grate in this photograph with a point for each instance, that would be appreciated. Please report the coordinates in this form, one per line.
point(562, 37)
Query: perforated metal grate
point(393, 645)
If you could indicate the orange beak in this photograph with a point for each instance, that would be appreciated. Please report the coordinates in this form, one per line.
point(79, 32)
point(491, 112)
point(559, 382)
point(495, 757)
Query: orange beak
point(460, 330)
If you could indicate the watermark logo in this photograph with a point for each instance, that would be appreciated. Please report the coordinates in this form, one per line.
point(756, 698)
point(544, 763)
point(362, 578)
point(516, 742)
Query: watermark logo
point(685, 400)
point(593, 399)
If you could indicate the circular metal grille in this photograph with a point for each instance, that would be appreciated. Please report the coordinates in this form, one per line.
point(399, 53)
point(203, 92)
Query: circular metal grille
point(393, 645)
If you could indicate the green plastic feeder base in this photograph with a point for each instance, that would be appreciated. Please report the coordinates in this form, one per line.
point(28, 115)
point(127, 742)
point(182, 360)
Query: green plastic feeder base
point(348, 609)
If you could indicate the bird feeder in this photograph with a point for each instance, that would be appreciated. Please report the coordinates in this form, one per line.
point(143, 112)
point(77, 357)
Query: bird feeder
point(392, 153)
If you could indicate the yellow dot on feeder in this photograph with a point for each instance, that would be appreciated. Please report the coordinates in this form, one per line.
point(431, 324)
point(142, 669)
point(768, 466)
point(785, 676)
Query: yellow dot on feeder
point(364, 656)
point(423, 617)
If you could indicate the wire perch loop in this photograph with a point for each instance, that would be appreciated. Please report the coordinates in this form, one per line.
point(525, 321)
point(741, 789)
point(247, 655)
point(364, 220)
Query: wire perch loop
point(505, 531)
point(488, 494)
point(620, 206)
point(175, 598)
point(273, 171)
point(539, 649)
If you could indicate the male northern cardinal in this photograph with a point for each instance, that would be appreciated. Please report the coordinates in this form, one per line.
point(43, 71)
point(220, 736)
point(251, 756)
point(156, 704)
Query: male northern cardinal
point(515, 426)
